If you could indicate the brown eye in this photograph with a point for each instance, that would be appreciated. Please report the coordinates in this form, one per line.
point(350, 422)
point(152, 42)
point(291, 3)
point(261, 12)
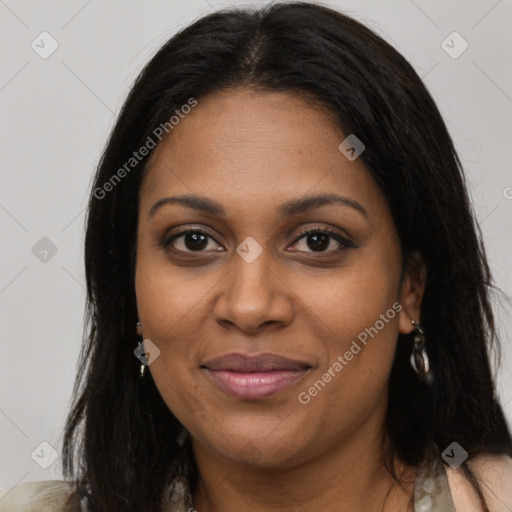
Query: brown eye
point(189, 241)
point(319, 240)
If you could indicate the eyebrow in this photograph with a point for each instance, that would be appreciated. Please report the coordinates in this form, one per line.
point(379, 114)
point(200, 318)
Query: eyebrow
point(288, 209)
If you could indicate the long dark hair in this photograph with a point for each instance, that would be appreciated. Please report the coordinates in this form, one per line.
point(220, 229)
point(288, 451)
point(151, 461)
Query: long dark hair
point(120, 437)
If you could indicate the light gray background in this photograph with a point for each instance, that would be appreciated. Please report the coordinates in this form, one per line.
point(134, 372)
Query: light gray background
point(56, 114)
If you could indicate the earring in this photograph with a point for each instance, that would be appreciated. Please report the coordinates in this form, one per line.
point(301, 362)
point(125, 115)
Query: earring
point(139, 333)
point(182, 437)
point(419, 358)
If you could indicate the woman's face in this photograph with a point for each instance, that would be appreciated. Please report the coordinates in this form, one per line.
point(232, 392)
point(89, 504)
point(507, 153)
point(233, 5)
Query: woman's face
point(251, 283)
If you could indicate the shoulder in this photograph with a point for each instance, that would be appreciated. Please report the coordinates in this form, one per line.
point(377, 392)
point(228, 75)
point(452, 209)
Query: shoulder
point(40, 496)
point(494, 473)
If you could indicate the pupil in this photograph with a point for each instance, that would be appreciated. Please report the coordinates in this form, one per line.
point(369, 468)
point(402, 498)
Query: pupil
point(321, 241)
point(195, 241)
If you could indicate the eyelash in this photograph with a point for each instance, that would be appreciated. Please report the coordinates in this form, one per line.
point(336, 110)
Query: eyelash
point(344, 242)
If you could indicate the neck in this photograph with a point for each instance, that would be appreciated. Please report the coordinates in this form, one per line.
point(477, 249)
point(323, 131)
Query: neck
point(350, 476)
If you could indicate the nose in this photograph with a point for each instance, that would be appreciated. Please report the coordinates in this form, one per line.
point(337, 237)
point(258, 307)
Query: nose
point(253, 296)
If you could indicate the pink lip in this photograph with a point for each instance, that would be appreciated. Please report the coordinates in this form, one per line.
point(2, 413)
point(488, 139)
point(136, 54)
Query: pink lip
point(253, 377)
point(254, 385)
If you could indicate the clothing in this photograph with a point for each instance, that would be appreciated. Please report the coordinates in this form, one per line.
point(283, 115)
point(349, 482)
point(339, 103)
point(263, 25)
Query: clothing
point(431, 493)
point(431, 489)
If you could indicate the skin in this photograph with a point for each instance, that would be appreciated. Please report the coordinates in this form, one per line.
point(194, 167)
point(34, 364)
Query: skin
point(252, 151)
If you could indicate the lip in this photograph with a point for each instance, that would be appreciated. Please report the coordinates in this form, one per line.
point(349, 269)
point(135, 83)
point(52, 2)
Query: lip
point(254, 377)
point(238, 362)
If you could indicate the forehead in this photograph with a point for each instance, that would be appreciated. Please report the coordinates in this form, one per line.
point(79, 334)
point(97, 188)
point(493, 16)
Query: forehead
point(255, 147)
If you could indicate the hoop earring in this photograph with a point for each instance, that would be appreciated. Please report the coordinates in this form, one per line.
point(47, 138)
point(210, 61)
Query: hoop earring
point(419, 358)
point(138, 328)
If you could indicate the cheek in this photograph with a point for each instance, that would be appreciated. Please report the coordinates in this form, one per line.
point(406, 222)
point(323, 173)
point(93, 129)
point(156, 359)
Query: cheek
point(169, 299)
point(352, 298)
point(166, 306)
point(359, 305)
point(167, 309)
point(171, 318)
point(351, 383)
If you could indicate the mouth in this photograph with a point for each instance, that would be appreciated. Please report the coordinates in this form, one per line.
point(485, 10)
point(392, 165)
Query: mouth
point(254, 377)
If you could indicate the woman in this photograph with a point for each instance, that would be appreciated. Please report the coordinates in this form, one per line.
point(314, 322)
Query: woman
point(281, 218)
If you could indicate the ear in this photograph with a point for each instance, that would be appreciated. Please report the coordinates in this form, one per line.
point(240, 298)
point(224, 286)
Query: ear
point(411, 292)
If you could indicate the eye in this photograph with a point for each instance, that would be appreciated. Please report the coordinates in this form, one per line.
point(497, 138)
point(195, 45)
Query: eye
point(190, 240)
point(320, 239)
